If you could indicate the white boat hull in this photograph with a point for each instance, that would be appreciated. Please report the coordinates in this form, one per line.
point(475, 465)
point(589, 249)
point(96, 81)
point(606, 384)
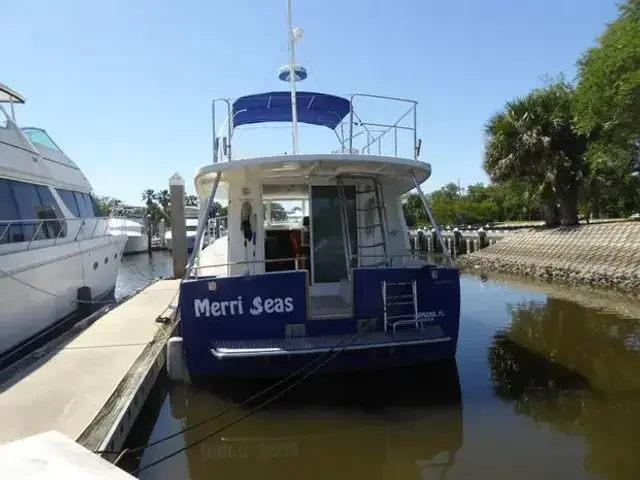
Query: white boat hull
point(136, 244)
point(191, 241)
point(38, 287)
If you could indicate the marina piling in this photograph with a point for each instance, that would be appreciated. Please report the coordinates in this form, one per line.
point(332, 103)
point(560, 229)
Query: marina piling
point(178, 226)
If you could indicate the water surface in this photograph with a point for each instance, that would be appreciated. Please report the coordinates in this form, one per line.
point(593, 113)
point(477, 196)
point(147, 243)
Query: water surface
point(137, 271)
point(542, 387)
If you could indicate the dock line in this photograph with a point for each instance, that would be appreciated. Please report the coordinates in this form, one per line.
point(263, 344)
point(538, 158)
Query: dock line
point(249, 399)
point(38, 289)
point(353, 339)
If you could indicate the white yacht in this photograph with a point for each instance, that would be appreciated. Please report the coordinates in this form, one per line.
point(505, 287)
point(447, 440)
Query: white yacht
point(56, 254)
point(191, 213)
point(130, 221)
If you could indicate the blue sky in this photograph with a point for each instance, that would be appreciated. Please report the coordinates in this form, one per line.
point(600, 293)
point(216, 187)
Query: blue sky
point(125, 87)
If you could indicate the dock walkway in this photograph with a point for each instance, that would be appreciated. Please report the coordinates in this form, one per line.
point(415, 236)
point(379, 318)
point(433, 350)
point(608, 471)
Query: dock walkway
point(90, 383)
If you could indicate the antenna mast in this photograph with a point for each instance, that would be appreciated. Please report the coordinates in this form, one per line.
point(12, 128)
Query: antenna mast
point(292, 80)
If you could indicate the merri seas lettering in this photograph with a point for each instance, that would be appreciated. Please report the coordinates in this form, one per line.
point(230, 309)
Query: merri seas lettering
point(203, 307)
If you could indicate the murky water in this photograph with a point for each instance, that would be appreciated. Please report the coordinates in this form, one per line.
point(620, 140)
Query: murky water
point(542, 387)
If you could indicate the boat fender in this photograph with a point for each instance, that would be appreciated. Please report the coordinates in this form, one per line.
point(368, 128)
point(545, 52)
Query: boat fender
point(85, 301)
point(176, 364)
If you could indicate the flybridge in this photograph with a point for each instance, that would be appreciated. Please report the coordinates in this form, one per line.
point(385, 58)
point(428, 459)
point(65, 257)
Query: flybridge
point(353, 133)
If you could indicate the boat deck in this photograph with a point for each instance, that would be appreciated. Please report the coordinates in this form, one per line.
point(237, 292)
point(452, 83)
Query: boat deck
point(329, 306)
point(310, 345)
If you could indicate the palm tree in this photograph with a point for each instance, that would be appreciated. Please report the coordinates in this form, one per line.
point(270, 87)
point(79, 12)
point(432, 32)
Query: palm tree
point(533, 141)
point(191, 200)
point(149, 197)
point(164, 199)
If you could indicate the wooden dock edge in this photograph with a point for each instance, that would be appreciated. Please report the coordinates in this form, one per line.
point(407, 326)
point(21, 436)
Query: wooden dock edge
point(111, 426)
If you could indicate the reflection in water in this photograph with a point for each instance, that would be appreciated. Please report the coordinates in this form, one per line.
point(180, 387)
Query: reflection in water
point(576, 371)
point(396, 425)
point(551, 390)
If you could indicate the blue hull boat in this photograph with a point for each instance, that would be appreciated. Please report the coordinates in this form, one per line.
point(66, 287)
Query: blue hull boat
point(260, 325)
point(339, 290)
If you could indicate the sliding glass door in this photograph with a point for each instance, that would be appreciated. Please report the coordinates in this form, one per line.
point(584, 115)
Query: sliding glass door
point(329, 264)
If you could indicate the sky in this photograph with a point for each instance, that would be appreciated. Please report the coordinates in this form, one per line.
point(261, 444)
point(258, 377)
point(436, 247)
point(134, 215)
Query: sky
point(125, 87)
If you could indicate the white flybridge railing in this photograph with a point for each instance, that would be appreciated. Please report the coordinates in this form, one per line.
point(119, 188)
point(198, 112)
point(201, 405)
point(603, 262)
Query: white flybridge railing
point(12, 98)
point(396, 126)
point(355, 133)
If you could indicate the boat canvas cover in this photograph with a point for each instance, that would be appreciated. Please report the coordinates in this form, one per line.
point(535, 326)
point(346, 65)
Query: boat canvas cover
point(312, 108)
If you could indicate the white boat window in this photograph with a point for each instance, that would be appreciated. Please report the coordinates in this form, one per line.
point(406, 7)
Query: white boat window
point(40, 137)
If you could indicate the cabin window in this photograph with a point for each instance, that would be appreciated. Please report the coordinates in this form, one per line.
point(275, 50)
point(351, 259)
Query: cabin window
point(85, 210)
point(50, 212)
point(69, 201)
point(329, 264)
point(81, 205)
point(9, 232)
point(38, 212)
point(28, 202)
point(97, 211)
point(40, 137)
point(88, 204)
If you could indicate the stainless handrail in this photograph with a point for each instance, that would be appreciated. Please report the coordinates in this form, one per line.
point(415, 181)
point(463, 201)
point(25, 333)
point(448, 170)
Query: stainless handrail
point(252, 262)
point(413, 108)
point(432, 219)
point(409, 254)
point(65, 228)
point(197, 267)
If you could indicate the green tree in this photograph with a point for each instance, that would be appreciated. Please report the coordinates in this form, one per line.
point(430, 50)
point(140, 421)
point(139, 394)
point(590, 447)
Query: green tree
point(414, 211)
point(278, 212)
point(148, 196)
point(153, 211)
point(532, 141)
point(476, 205)
point(608, 92)
point(107, 204)
point(164, 200)
point(607, 106)
point(191, 200)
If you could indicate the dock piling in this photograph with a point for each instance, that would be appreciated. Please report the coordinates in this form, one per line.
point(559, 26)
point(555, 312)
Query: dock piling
point(178, 226)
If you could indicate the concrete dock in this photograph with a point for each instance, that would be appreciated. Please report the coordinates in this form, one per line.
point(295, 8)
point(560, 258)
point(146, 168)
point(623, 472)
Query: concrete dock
point(91, 383)
point(52, 455)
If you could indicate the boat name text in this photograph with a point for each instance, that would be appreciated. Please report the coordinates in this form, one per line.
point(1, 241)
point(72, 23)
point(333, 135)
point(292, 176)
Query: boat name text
point(203, 307)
